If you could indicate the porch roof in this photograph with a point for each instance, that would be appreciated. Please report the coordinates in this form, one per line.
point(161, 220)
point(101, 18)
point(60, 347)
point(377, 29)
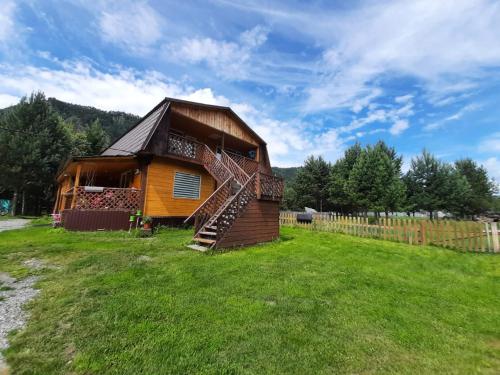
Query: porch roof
point(102, 163)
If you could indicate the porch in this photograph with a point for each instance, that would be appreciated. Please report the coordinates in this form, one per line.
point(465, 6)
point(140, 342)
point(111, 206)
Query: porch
point(100, 184)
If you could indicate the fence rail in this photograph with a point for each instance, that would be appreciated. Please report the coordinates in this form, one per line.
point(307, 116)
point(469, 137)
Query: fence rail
point(461, 235)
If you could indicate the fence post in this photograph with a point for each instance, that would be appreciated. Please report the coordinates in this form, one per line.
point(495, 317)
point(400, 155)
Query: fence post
point(494, 237)
point(422, 233)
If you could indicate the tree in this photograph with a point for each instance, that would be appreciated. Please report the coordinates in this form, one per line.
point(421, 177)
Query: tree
point(289, 201)
point(459, 194)
point(311, 184)
point(79, 144)
point(482, 189)
point(33, 142)
point(375, 180)
point(431, 184)
point(338, 193)
point(97, 138)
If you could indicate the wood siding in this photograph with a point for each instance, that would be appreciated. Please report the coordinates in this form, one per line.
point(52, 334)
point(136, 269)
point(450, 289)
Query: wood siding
point(91, 220)
point(160, 199)
point(217, 119)
point(259, 223)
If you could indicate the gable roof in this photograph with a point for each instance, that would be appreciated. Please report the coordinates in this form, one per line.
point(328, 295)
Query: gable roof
point(137, 137)
point(228, 110)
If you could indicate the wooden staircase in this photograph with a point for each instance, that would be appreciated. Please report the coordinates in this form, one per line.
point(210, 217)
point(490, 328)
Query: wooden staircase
point(215, 216)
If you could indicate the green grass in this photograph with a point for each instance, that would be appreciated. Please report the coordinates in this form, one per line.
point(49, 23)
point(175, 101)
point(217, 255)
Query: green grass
point(315, 303)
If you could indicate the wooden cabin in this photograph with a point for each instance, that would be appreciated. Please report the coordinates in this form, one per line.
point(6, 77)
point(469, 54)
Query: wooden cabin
point(182, 162)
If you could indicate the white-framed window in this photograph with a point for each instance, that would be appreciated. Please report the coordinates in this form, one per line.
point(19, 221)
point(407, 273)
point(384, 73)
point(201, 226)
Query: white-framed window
point(187, 185)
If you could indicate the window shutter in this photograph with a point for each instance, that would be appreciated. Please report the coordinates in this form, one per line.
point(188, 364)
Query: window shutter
point(187, 185)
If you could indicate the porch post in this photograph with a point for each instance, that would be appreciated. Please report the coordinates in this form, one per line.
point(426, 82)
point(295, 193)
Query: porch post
point(77, 183)
point(58, 197)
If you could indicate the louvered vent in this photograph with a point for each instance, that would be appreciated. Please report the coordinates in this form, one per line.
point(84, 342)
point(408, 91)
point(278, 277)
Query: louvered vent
point(187, 185)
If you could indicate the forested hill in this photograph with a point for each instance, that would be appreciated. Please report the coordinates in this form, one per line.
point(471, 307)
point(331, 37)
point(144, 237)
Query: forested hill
point(287, 173)
point(114, 123)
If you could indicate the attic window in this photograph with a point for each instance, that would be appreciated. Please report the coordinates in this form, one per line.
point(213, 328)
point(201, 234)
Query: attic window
point(187, 185)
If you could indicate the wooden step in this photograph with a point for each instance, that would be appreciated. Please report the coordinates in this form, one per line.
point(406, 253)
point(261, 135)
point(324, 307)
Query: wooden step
point(211, 227)
point(208, 233)
point(204, 240)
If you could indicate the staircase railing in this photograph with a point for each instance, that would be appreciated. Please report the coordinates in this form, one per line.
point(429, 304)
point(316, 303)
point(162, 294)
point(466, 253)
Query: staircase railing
point(235, 207)
point(215, 166)
point(250, 166)
point(240, 175)
point(210, 206)
point(191, 149)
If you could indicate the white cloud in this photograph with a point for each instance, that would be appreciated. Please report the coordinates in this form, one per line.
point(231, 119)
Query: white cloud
point(492, 165)
point(7, 24)
point(131, 25)
point(399, 126)
point(453, 117)
point(403, 98)
point(137, 92)
point(227, 59)
point(79, 82)
point(396, 115)
point(445, 44)
point(491, 144)
point(7, 100)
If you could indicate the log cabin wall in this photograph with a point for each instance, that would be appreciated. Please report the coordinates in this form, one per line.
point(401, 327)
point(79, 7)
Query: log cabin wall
point(259, 223)
point(159, 199)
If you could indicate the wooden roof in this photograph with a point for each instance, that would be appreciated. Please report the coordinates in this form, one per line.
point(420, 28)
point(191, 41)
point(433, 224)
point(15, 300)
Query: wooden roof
point(137, 138)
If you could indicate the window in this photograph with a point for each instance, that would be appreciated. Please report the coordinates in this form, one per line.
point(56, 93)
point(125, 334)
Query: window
point(187, 185)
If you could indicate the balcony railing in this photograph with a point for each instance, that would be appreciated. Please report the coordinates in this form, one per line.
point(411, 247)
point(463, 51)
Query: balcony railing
point(185, 148)
point(270, 187)
point(105, 198)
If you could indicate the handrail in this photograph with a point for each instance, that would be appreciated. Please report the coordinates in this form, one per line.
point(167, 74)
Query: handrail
point(240, 156)
point(220, 230)
point(214, 166)
point(215, 217)
point(248, 165)
point(238, 172)
point(208, 199)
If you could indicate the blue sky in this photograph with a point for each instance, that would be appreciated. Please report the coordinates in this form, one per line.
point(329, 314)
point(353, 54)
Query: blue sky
point(309, 78)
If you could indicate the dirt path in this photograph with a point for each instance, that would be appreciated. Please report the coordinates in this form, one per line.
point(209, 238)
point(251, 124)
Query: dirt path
point(13, 224)
point(13, 295)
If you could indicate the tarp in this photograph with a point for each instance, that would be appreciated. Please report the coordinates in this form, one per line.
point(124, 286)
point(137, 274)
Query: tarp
point(4, 205)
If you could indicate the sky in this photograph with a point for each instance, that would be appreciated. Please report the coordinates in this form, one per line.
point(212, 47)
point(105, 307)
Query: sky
point(311, 78)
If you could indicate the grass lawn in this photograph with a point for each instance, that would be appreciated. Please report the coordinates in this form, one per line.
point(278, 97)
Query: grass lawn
point(310, 303)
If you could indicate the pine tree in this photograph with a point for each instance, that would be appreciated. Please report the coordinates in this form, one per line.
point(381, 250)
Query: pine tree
point(482, 188)
point(33, 143)
point(97, 138)
point(311, 184)
point(430, 184)
point(338, 193)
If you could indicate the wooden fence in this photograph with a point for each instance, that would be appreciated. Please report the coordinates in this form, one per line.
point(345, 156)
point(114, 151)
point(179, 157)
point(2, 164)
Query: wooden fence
point(461, 235)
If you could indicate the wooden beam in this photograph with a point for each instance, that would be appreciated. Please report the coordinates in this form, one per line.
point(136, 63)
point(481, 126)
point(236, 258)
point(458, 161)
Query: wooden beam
point(58, 197)
point(77, 183)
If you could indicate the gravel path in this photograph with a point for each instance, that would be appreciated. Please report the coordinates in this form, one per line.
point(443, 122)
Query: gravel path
point(13, 295)
point(13, 224)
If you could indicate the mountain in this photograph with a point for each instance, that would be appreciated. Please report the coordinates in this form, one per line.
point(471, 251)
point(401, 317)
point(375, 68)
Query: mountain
point(288, 174)
point(113, 122)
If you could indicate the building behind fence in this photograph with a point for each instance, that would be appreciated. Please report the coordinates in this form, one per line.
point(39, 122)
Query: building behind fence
point(462, 235)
